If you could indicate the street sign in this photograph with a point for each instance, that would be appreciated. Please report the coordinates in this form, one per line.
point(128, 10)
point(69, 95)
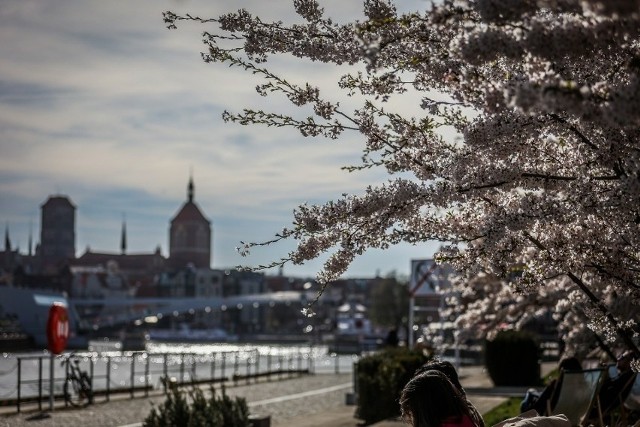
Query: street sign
point(421, 280)
point(57, 328)
point(428, 280)
point(427, 277)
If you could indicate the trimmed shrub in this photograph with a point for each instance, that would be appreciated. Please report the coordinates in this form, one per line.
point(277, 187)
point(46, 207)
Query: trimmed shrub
point(381, 377)
point(512, 359)
point(193, 409)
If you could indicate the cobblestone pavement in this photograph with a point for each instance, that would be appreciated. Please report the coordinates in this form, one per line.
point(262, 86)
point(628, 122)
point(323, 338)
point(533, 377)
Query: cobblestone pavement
point(307, 401)
point(282, 400)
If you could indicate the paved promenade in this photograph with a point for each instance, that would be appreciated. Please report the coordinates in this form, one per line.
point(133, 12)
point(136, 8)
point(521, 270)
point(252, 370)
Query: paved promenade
point(308, 401)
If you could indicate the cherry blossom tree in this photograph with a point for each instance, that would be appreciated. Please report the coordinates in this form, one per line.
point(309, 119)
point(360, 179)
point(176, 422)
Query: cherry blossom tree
point(543, 170)
point(485, 304)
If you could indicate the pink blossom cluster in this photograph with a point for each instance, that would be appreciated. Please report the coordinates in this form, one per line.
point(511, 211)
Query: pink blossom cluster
point(543, 175)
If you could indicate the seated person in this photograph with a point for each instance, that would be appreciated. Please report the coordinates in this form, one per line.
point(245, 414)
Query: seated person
point(450, 372)
point(616, 388)
point(430, 400)
point(531, 419)
point(632, 403)
point(534, 399)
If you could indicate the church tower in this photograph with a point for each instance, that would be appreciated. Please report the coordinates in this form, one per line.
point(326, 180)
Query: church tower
point(58, 232)
point(190, 235)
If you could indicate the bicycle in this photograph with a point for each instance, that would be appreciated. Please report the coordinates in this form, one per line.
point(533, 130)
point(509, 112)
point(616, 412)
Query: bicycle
point(77, 384)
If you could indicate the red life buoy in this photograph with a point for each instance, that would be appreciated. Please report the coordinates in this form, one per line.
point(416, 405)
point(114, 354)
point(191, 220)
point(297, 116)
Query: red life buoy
point(57, 328)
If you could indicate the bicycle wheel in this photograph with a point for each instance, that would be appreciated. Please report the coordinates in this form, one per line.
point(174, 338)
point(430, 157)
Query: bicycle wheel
point(86, 388)
point(73, 393)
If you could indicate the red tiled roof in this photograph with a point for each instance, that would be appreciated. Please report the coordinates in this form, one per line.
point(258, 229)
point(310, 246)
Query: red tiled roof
point(126, 261)
point(189, 212)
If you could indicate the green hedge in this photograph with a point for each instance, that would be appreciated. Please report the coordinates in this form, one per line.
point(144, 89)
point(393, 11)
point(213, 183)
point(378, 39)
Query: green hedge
point(193, 409)
point(512, 359)
point(381, 377)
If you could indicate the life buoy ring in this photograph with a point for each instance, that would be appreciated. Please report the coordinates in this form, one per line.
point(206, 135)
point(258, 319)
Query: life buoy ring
point(57, 328)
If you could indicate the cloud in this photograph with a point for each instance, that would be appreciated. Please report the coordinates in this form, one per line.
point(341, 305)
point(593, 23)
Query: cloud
point(99, 101)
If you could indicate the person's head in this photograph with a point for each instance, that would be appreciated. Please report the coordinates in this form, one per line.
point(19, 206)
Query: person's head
point(430, 398)
point(570, 364)
point(446, 368)
point(623, 363)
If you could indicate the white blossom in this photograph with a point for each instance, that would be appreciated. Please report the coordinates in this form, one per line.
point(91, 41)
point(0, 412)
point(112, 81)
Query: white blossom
point(540, 189)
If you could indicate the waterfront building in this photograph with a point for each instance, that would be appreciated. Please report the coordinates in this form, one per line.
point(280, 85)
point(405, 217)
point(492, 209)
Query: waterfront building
point(190, 235)
point(190, 282)
point(152, 274)
point(118, 275)
point(139, 271)
point(57, 233)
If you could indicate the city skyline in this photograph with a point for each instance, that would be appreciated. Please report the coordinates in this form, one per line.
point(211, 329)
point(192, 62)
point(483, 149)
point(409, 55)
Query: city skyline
point(101, 103)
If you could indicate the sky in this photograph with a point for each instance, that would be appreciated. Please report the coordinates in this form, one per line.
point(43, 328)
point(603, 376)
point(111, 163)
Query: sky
point(100, 102)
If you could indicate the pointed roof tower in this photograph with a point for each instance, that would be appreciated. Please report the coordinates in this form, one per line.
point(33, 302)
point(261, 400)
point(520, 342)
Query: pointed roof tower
point(7, 239)
point(30, 238)
point(190, 234)
point(123, 236)
point(190, 211)
point(190, 190)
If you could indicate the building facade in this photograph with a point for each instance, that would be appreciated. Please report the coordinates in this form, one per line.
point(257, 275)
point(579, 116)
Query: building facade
point(190, 235)
point(57, 233)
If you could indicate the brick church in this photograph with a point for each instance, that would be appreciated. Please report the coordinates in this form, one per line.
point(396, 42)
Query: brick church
point(190, 237)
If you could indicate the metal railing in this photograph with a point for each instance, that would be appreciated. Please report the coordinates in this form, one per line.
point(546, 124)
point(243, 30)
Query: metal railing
point(139, 373)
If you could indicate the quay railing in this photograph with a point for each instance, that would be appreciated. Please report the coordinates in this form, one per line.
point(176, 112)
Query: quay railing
point(137, 374)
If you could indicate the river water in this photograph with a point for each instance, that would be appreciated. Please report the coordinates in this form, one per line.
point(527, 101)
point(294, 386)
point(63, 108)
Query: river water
point(27, 375)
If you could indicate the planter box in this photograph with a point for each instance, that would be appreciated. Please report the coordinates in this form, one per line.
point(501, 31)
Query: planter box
point(351, 399)
point(260, 420)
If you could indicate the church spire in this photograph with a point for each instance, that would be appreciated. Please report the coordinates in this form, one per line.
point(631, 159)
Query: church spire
point(7, 240)
point(190, 189)
point(30, 238)
point(123, 236)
